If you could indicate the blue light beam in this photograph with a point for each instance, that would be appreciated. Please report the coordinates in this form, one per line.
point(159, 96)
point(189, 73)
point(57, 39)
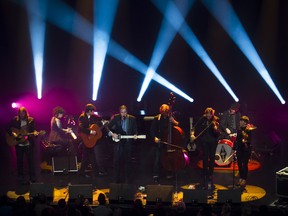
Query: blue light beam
point(63, 16)
point(227, 17)
point(104, 14)
point(121, 54)
point(165, 37)
point(195, 44)
point(37, 28)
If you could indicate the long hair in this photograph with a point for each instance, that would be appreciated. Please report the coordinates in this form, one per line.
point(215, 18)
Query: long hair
point(23, 109)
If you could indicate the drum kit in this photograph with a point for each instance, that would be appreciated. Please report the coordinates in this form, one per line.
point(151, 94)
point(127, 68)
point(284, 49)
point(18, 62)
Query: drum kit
point(224, 150)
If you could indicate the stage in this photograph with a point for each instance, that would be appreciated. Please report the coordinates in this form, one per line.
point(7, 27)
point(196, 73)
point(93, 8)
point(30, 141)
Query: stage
point(260, 189)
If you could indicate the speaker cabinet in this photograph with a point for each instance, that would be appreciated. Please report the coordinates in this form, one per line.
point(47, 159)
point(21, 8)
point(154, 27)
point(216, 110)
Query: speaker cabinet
point(282, 183)
point(64, 164)
point(40, 188)
point(121, 193)
point(195, 196)
point(81, 190)
point(230, 195)
point(159, 193)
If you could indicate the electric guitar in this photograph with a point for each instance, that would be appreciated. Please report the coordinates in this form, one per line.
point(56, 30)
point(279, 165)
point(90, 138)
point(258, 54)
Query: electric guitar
point(21, 136)
point(128, 137)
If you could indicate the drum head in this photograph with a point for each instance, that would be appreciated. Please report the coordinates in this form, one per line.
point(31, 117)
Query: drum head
point(223, 156)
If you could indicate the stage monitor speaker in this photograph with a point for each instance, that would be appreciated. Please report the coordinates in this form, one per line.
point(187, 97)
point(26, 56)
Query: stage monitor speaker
point(282, 183)
point(121, 193)
point(64, 164)
point(81, 190)
point(195, 196)
point(40, 188)
point(230, 195)
point(159, 193)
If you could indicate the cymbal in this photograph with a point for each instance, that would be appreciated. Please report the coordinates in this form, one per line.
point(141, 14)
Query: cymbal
point(251, 127)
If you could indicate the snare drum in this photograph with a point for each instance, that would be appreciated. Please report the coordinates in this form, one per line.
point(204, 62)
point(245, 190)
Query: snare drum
point(223, 153)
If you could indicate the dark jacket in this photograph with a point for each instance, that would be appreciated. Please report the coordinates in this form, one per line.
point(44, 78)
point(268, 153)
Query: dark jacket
point(115, 125)
point(16, 123)
point(85, 122)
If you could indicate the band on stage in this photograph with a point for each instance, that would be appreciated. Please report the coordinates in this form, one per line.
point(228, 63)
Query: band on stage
point(221, 140)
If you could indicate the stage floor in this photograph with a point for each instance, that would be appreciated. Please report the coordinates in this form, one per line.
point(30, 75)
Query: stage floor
point(260, 190)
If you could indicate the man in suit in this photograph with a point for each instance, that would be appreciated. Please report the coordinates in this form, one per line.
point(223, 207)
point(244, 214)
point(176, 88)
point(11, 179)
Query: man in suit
point(122, 124)
point(86, 119)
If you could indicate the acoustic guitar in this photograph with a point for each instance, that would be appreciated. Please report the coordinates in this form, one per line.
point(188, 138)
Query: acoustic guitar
point(21, 136)
point(90, 140)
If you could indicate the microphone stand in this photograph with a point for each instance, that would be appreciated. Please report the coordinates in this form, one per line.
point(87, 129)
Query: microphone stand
point(233, 168)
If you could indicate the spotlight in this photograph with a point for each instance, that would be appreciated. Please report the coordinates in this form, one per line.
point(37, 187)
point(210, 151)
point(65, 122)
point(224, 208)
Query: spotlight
point(194, 43)
point(165, 37)
point(104, 13)
point(37, 34)
point(14, 105)
point(142, 112)
point(232, 25)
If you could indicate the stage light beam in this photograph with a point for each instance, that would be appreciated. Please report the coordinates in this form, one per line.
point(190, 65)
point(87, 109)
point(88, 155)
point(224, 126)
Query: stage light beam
point(118, 52)
point(104, 14)
point(194, 43)
point(229, 20)
point(84, 31)
point(164, 39)
point(37, 27)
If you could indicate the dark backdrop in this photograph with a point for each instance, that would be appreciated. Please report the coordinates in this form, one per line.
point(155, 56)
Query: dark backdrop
point(67, 68)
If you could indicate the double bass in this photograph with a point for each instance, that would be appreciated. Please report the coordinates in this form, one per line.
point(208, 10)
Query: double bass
point(174, 157)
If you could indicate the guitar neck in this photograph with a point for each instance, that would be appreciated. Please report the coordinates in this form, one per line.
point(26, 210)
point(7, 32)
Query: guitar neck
point(132, 136)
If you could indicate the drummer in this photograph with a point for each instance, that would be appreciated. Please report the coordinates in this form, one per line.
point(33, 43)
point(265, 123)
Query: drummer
point(229, 122)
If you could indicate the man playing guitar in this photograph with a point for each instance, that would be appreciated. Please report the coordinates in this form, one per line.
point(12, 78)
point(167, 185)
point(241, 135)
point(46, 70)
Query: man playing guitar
point(22, 129)
point(89, 127)
point(122, 124)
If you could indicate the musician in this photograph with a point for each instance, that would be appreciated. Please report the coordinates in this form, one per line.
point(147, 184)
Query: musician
point(229, 122)
point(122, 124)
point(207, 132)
point(58, 134)
point(86, 119)
point(243, 149)
point(18, 127)
point(159, 131)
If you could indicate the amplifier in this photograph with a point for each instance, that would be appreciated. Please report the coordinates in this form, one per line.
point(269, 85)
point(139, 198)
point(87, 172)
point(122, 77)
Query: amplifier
point(282, 183)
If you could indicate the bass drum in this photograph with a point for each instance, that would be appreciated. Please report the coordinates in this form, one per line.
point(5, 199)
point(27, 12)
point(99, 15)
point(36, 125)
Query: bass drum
point(224, 151)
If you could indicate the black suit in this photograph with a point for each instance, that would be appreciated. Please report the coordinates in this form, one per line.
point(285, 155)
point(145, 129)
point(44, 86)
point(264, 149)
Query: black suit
point(122, 149)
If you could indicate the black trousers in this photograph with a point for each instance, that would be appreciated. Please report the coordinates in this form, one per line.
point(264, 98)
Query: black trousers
point(209, 149)
point(243, 156)
point(27, 151)
point(122, 161)
point(88, 157)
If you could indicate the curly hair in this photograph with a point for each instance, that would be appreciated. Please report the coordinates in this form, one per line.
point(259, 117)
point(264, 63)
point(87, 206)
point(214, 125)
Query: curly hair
point(58, 110)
